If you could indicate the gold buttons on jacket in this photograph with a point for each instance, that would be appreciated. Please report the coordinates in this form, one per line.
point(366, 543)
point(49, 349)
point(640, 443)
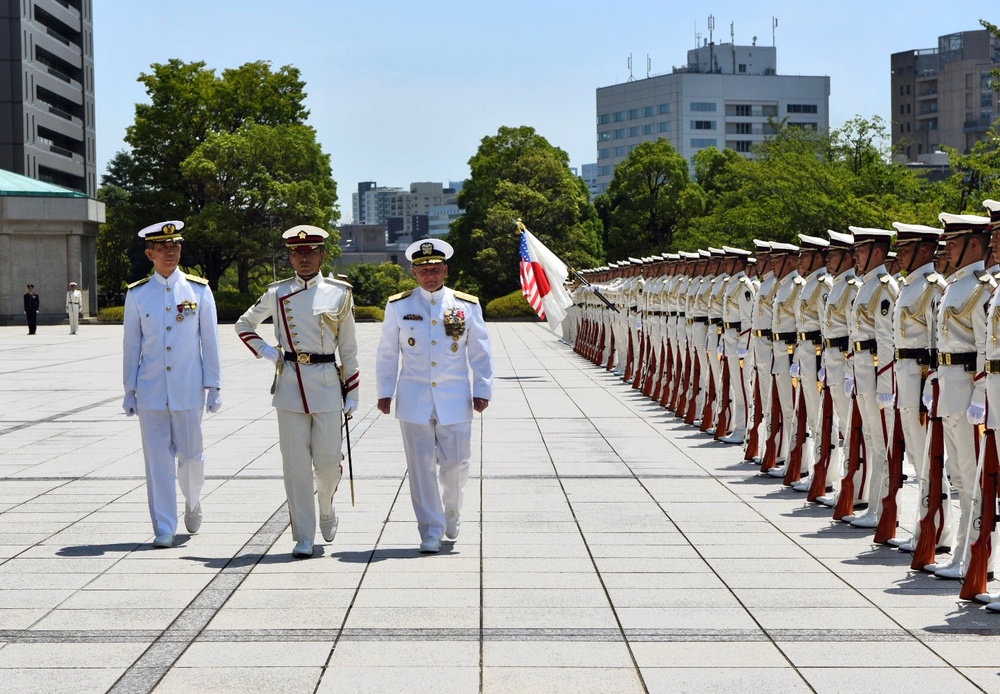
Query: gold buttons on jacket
point(434, 363)
point(168, 368)
point(433, 384)
point(434, 342)
point(433, 322)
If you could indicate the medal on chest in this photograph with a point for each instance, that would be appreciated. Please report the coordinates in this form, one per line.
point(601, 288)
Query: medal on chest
point(454, 325)
point(187, 308)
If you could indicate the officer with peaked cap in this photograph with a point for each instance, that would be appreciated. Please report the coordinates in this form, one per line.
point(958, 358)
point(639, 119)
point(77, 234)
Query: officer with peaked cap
point(171, 358)
point(784, 259)
point(313, 324)
point(737, 304)
point(760, 333)
point(871, 374)
point(74, 305)
point(913, 318)
point(434, 357)
point(836, 347)
point(961, 345)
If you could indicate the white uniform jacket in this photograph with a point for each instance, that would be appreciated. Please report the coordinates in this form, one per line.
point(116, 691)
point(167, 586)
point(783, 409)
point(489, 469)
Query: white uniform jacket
point(783, 320)
point(871, 331)
point(913, 329)
point(171, 346)
point(314, 317)
point(834, 324)
point(74, 301)
point(961, 329)
point(439, 337)
point(737, 306)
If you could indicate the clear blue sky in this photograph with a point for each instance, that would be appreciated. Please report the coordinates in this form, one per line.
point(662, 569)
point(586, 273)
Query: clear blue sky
point(404, 91)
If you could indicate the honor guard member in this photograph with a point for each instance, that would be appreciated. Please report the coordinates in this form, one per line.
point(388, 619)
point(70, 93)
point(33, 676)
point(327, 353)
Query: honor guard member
point(737, 305)
point(913, 317)
point(313, 323)
point(714, 345)
point(171, 358)
point(815, 287)
point(961, 344)
point(31, 305)
point(784, 258)
point(760, 334)
point(844, 287)
point(870, 371)
point(698, 304)
point(446, 373)
point(74, 305)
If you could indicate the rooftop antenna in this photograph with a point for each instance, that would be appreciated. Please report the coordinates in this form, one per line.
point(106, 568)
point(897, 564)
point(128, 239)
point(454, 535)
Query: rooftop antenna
point(774, 25)
point(711, 44)
point(630, 77)
point(732, 42)
point(649, 67)
point(711, 27)
point(697, 35)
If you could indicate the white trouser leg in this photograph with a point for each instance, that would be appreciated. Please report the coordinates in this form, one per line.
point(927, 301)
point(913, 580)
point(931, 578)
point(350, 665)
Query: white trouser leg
point(785, 401)
point(427, 446)
point(960, 462)
point(74, 319)
point(172, 449)
point(738, 395)
point(914, 441)
point(308, 442)
point(875, 456)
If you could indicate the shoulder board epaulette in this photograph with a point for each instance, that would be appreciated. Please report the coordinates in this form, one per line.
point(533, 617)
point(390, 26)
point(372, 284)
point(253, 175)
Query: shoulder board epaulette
point(142, 281)
point(401, 295)
point(195, 278)
point(342, 283)
point(467, 297)
point(799, 280)
point(744, 278)
point(983, 276)
point(852, 280)
point(932, 277)
point(884, 277)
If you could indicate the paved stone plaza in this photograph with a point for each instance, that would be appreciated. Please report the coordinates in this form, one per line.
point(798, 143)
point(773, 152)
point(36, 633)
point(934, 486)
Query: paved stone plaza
point(605, 548)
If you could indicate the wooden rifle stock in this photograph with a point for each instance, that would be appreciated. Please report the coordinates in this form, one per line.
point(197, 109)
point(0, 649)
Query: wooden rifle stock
point(977, 573)
point(640, 362)
point(775, 429)
point(845, 502)
point(822, 467)
point(663, 368)
point(725, 402)
point(709, 407)
point(692, 404)
point(652, 364)
point(681, 387)
point(629, 357)
point(793, 469)
point(886, 529)
point(933, 518)
point(669, 397)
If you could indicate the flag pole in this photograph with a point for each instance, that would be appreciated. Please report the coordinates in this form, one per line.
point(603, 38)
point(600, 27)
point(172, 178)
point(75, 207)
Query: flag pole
point(595, 290)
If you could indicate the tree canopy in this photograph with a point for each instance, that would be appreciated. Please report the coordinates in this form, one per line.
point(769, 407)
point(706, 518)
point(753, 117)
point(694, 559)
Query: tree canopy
point(517, 174)
point(228, 154)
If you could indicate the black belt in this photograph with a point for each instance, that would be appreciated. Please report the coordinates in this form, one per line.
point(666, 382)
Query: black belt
point(762, 333)
point(993, 366)
point(813, 336)
point(966, 359)
point(677, 313)
point(306, 358)
point(698, 319)
point(922, 356)
point(840, 343)
point(715, 321)
point(787, 338)
point(732, 325)
point(865, 345)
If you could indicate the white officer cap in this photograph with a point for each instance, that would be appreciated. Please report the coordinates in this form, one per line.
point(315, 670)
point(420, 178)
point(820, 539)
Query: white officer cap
point(672, 256)
point(994, 207)
point(687, 255)
point(838, 239)
point(163, 231)
point(429, 252)
point(304, 235)
point(908, 233)
point(635, 261)
point(716, 251)
point(762, 245)
point(738, 252)
point(702, 253)
point(956, 225)
point(781, 248)
point(813, 243)
point(863, 235)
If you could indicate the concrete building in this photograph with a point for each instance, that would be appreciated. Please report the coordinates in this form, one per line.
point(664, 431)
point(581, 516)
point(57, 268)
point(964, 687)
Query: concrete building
point(358, 201)
point(47, 92)
point(944, 95)
point(722, 98)
point(590, 178)
point(405, 213)
point(48, 236)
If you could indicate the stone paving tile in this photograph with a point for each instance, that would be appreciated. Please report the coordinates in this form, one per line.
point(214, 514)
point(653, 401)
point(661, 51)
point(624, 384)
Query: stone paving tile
point(760, 680)
point(60, 680)
point(889, 680)
point(501, 680)
point(275, 680)
point(708, 654)
point(377, 680)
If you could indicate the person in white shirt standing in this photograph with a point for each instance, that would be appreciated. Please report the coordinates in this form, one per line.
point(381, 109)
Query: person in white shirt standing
point(434, 356)
point(171, 358)
point(74, 305)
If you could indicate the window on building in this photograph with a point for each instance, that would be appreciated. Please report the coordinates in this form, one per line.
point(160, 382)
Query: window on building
point(985, 99)
point(604, 136)
point(802, 108)
point(743, 110)
point(744, 128)
point(604, 153)
point(634, 132)
point(907, 127)
point(662, 109)
point(620, 151)
point(703, 106)
point(619, 116)
point(633, 113)
point(985, 80)
point(648, 129)
point(604, 119)
point(800, 124)
point(742, 68)
point(619, 133)
point(663, 126)
point(703, 125)
point(742, 145)
point(648, 111)
point(702, 142)
point(606, 170)
point(902, 109)
point(769, 110)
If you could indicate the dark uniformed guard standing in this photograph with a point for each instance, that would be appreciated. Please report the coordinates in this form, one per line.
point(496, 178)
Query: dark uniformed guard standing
point(447, 372)
point(171, 357)
point(313, 322)
point(31, 306)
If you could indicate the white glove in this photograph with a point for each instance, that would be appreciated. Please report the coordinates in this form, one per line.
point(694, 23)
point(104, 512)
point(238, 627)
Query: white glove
point(129, 403)
point(885, 400)
point(927, 397)
point(976, 414)
point(721, 349)
point(742, 352)
point(214, 402)
point(793, 370)
point(848, 386)
point(350, 406)
point(821, 374)
point(270, 353)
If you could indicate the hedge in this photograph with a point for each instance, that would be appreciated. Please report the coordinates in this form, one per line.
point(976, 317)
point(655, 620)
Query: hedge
point(369, 314)
point(513, 305)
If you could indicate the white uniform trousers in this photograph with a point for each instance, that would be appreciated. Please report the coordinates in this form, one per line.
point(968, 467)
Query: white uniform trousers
point(787, 396)
point(874, 426)
point(738, 394)
point(169, 438)
point(74, 318)
point(813, 399)
point(310, 447)
point(429, 447)
point(960, 462)
point(842, 411)
point(762, 362)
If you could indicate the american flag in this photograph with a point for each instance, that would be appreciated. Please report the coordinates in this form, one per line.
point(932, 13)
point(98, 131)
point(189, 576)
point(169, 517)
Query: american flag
point(534, 283)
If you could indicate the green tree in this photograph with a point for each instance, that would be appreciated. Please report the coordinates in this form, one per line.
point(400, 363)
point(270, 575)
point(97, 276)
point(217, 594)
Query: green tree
point(374, 284)
point(650, 198)
point(230, 155)
point(517, 174)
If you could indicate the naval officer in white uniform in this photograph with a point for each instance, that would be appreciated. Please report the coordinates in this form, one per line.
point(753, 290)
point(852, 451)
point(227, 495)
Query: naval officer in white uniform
point(313, 323)
point(446, 373)
point(171, 358)
point(74, 305)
